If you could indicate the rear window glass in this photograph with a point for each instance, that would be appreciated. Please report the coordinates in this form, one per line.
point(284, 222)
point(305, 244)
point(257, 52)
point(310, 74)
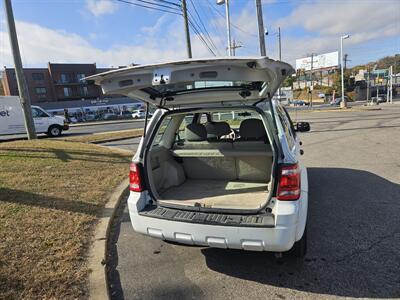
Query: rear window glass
point(161, 130)
point(234, 118)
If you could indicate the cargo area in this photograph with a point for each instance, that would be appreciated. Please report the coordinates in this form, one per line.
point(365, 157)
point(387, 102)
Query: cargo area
point(207, 171)
point(217, 194)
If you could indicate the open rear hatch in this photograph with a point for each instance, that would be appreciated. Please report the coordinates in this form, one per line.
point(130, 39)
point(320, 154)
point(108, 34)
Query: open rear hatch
point(197, 81)
point(237, 179)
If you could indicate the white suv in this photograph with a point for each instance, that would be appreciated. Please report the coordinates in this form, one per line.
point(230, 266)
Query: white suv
point(219, 162)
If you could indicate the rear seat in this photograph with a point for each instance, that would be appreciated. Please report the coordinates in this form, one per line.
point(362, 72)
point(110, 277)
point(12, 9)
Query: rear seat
point(215, 130)
point(253, 136)
point(246, 159)
point(255, 160)
point(205, 160)
point(196, 137)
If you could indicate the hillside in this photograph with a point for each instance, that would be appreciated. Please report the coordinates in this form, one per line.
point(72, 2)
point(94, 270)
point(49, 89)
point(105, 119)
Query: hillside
point(382, 63)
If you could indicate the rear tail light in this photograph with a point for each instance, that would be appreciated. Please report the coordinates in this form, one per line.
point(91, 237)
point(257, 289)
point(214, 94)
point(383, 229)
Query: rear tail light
point(135, 180)
point(289, 183)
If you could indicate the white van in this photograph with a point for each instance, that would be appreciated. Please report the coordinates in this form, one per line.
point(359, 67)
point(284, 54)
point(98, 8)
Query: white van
point(219, 164)
point(12, 119)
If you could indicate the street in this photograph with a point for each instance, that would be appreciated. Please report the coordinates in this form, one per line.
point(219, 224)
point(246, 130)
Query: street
point(353, 228)
point(83, 129)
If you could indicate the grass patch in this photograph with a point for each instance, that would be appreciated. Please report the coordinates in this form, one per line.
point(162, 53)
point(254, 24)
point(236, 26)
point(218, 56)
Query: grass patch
point(51, 194)
point(105, 136)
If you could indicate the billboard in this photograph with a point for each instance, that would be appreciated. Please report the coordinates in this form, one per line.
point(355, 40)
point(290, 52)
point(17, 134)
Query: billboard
point(326, 60)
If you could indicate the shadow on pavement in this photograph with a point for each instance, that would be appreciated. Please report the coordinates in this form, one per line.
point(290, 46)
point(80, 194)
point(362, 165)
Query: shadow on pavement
point(166, 277)
point(353, 239)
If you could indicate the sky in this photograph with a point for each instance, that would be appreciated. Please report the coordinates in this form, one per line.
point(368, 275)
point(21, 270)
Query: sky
point(116, 33)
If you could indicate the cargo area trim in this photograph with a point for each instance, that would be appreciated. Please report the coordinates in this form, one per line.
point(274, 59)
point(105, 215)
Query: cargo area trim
point(266, 220)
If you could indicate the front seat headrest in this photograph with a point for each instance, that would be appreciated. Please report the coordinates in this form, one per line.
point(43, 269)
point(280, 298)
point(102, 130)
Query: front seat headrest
point(217, 129)
point(195, 132)
point(252, 129)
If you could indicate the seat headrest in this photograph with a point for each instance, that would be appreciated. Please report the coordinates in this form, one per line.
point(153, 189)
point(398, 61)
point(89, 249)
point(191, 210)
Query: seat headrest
point(195, 132)
point(252, 129)
point(217, 129)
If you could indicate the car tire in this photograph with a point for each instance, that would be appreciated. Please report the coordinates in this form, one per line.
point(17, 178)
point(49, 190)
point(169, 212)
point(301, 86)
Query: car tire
point(299, 248)
point(54, 131)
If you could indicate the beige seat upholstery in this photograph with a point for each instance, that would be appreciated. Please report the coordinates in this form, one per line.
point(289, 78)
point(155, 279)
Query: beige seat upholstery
point(202, 159)
point(215, 130)
point(257, 164)
point(249, 159)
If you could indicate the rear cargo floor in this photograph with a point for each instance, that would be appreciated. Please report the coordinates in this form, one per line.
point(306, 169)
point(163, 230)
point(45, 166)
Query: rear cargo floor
point(217, 194)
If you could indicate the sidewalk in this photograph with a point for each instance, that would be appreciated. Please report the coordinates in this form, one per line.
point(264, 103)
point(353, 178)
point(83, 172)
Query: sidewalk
point(105, 122)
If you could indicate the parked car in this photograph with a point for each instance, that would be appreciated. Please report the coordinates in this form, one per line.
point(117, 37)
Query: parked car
point(139, 114)
point(110, 116)
point(125, 114)
point(338, 100)
point(12, 119)
point(198, 180)
point(379, 99)
point(299, 103)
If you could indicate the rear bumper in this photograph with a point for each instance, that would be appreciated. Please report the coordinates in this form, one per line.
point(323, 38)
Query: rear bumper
point(279, 238)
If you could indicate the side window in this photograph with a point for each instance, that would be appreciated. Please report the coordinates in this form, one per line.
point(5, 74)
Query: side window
point(290, 122)
point(37, 113)
point(287, 127)
point(161, 130)
point(180, 134)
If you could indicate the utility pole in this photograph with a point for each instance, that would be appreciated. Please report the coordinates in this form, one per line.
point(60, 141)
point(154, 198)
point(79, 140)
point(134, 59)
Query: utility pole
point(391, 84)
point(228, 27)
point(368, 83)
point(343, 103)
point(280, 57)
point(280, 46)
point(22, 87)
point(234, 47)
point(261, 32)
point(345, 61)
point(228, 24)
point(185, 18)
point(377, 87)
point(312, 81)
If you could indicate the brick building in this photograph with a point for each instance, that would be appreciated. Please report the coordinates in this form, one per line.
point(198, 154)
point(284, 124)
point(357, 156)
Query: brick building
point(56, 84)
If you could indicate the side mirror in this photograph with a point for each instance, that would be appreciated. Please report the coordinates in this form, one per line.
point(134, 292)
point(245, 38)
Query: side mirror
point(302, 127)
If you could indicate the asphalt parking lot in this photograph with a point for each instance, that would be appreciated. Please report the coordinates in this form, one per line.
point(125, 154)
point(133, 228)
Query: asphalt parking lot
point(353, 161)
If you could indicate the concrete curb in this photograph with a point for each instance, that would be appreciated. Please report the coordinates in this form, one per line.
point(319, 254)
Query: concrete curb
point(98, 288)
point(350, 109)
point(116, 139)
point(105, 123)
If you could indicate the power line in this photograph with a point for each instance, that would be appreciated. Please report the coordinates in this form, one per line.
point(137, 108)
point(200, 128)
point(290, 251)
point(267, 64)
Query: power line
point(201, 37)
point(159, 5)
point(233, 24)
point(201, 22)
point(150, 7)
point(204, 27)
point(174, 11)
point(211, 14)
point(169, 2)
